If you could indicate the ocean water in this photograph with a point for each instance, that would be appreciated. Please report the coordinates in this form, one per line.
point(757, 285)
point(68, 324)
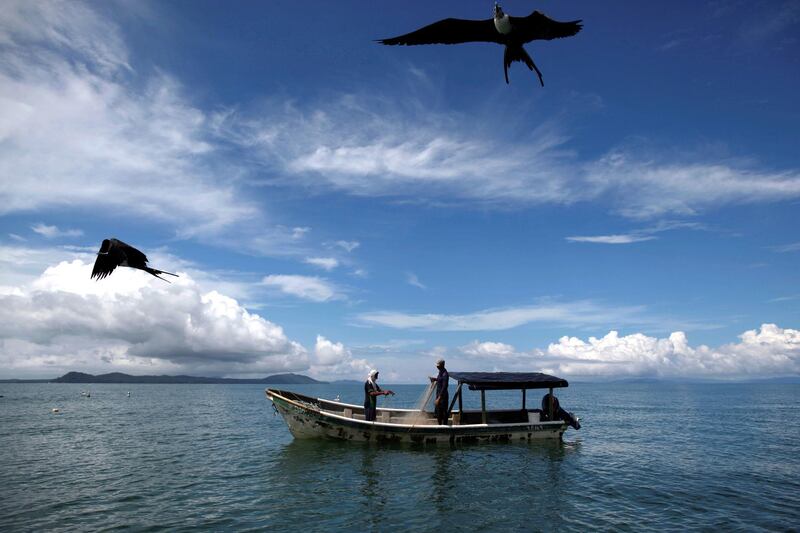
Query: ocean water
point(665, 457)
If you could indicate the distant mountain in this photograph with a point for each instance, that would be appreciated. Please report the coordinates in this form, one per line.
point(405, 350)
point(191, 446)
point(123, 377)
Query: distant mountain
point(785, 379)
point(118, 377)
point(698, 381)
point(638, 381)
point(290, 379)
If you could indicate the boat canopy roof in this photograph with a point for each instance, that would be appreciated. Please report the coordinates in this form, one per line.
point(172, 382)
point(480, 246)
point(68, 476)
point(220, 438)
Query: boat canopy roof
point(508, 380)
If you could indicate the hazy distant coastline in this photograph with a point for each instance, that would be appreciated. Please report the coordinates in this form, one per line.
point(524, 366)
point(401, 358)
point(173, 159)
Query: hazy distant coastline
point(300, 379)
point(118, 377)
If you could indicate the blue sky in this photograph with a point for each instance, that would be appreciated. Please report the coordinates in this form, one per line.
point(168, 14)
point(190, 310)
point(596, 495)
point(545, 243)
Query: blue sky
point(334, 205)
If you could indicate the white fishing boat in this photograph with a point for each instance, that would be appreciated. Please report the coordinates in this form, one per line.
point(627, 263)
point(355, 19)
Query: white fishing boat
point(309, 417)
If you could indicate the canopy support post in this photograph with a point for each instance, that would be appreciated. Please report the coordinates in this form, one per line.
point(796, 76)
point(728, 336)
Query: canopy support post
point(523, 399)
point(453, 401)
point(483, 406)
point(551, 407)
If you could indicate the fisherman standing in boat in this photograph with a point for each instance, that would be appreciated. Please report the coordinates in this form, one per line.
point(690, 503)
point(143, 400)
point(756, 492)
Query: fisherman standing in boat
point(371, 393)
point(442, 395)
point(551, 410)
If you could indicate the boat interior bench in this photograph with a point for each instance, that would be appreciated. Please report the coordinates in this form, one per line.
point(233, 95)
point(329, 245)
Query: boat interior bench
point(511, 416)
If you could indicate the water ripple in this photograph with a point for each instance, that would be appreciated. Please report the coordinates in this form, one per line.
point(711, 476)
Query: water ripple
point(181, 458)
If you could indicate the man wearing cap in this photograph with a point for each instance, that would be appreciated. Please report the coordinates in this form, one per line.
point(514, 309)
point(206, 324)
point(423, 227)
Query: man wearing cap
point(442, 395)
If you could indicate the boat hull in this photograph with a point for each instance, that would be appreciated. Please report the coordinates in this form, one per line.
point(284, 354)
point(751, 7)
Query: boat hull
point(308, 421)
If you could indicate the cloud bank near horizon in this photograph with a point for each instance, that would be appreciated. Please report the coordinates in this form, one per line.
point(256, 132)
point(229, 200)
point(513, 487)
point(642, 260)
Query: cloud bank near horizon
point(61, 320)
point(74, 104)
point(766, 351)
point(64, 321)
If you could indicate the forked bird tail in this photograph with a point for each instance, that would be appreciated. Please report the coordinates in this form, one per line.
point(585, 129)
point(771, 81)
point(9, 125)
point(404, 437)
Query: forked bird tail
point(517, 53)
point(156, 273)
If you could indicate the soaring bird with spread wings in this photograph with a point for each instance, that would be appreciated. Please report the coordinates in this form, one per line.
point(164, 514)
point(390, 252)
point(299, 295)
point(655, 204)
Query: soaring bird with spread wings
point(512, 32)
point(114, 253)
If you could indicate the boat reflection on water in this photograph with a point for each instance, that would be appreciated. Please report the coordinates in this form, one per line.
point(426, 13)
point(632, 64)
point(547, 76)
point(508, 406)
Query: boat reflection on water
point(345, 485)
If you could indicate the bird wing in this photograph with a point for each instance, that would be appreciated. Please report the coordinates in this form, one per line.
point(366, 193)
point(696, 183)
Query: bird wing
point(537, 25)
point(106, 263)
point(449, 31)
point(136, 259)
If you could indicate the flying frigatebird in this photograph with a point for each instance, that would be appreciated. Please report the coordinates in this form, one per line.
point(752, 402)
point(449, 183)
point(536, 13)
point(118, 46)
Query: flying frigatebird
point(503, 29)
point(114, 253)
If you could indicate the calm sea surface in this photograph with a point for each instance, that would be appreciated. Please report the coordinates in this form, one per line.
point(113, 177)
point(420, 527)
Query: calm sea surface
point(187, 457)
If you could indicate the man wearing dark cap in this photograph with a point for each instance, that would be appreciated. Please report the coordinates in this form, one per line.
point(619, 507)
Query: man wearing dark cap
point(442, 395)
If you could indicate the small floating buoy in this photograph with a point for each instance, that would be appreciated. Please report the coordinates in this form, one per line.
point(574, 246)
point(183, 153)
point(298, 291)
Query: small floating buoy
point(55, 410)
point(129, 394)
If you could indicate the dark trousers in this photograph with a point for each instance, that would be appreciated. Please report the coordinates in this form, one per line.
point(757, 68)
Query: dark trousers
point(369, 412)
point(441, 410)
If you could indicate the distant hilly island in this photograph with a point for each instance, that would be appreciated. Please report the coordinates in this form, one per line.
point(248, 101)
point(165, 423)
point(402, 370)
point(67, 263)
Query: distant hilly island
point(299, 379)
point(119, 377)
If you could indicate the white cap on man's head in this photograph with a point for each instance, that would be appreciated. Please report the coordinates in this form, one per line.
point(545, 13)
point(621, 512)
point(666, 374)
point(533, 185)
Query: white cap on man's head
point(440, 362)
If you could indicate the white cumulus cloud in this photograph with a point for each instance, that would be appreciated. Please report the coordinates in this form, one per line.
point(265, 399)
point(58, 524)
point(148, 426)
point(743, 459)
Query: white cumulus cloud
point(334, 359)
point(644, 234)
point(767, 351)
point(348, 246)
point(787, 248)
point(79, 128)
point(52, 232)
point(299, 232)
point(493, 350)
point(578, 312)
point(305, 287)
point(366, 146)
point(651, 187)
point(414, 281)
point(326, 263)
point(764, 352)
point(133, 322)
point(73, 108)
point(625, 238)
